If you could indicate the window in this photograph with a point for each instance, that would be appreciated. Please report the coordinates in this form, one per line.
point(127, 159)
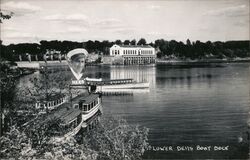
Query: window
point(85, 107)
point(76, 105)
point(80, 106)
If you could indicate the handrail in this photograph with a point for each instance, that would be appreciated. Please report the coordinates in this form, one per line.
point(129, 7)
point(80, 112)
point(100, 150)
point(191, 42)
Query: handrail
point(51, 104)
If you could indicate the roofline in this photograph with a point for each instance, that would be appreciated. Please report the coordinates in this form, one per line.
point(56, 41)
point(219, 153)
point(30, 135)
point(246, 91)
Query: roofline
point(137, 46)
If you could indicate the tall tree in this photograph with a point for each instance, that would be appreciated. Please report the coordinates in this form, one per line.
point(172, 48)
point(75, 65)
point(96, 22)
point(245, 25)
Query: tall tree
point(188, 42)
point(142, 41)
point(126, 42)
point(7, 84)
point(118, 42)
point(5, 15)
point(133, 42)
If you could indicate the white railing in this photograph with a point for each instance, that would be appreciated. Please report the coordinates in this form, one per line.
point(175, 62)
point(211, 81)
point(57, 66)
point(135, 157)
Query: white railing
point(51, 104)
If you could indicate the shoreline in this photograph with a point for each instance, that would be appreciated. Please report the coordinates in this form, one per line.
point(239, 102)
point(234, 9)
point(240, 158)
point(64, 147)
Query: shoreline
point(177, 62)
point(52, 64)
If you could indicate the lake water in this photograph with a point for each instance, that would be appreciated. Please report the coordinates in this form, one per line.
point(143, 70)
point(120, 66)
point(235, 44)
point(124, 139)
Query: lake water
point(185, 107)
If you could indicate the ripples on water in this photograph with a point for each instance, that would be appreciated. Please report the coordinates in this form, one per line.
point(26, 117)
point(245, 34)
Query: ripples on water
point(185, 106)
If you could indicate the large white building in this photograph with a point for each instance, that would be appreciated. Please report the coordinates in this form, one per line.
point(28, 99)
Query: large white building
point(134, 54)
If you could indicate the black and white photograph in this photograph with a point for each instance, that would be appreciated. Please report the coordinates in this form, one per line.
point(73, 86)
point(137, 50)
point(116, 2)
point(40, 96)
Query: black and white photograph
point(125, 79)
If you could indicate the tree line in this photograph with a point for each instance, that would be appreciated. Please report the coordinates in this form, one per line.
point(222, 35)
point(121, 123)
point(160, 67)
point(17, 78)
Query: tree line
point(164, 48)
point(199, 50)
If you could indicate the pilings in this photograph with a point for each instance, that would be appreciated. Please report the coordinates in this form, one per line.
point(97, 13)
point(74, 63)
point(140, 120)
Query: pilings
point(130, 60)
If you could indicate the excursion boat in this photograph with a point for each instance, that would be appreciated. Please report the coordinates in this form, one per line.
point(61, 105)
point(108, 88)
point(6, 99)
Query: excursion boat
point(67, 119)
point(134, 85)
point(52, 103)
point(103, 85)
point(73, 118)
point(93, 121)
point(88, 105)
point(68, 122)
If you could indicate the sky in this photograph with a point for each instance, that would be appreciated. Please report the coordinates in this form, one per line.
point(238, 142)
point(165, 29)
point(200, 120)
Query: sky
point(83, 20)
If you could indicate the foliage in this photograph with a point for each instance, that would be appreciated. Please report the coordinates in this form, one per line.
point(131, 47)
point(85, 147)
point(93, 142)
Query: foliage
point(113, 138)
point(126, 42)
point(41, 88)
point(14, 143)
point(193, 50)
point(118, 42)
point(117, 60)
point(5, 16)
point(7, 93)
point(142, 41)
point(7, 83)
point(201, 50)
point(133, 42)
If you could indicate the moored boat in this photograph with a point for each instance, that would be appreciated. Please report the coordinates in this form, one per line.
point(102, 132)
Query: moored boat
point(135, 85)
point(70, 122)
point(51, 103)
point(91, 122)
point(88, 105)
point(102, 85)
point(82, 109)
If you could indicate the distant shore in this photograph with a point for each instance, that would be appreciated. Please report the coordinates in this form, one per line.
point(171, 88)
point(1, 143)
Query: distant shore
point(178, 62)
point(38, 64)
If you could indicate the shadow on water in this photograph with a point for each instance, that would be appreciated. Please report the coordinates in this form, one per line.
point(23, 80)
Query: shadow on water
point(198, 76)
point(187, 79)
point(191, 65)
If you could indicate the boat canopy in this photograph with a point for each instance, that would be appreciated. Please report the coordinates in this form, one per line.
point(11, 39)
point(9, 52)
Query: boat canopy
point(65, 114)
point(70, 115)
point(89, 99)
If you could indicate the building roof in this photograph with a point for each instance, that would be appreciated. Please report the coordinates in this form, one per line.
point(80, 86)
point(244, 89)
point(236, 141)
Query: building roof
point(135, 46)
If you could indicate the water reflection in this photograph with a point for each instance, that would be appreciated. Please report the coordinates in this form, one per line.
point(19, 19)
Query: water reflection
point(138, 73)
point(188, 79)
point(185, 77)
